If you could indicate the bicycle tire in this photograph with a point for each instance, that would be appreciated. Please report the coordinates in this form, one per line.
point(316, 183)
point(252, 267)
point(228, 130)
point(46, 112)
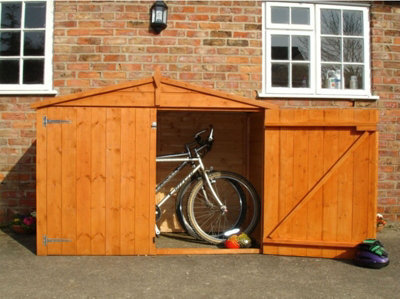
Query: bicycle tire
point(208, 221)
point(180, 207)
point(182, 199)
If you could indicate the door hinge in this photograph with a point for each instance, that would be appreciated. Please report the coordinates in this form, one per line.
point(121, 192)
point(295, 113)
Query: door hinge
point(47, 121)
point(47, 240)
point(154, 125)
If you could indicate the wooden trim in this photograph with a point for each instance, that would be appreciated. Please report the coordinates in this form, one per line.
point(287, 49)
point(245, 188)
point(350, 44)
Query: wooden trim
point(41, 183)
point(311, 243)
point(157, 87)
point(197, 251)
point(88, 93)
point(152, 178)
point(208, 109)
point(236, 98)
point(359, 126)
point(321, 182)
point(370, 128)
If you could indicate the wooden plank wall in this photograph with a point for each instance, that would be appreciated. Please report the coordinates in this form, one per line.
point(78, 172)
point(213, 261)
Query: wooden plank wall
point(95, 179)
point(320, 181)
point(229, 152)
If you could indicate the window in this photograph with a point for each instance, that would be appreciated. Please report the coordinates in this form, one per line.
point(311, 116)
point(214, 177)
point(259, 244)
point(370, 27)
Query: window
point(26, 47)
point(315, 50)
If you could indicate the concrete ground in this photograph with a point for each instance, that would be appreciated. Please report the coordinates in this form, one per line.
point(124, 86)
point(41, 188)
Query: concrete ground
point(23, 274)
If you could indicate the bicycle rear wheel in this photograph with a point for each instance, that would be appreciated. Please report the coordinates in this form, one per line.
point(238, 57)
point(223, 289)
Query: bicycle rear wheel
point(209, 221)
point(183, 197)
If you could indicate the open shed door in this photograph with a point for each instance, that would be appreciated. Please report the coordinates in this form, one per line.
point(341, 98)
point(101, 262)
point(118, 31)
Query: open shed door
point(95, 181)
point(320, 181)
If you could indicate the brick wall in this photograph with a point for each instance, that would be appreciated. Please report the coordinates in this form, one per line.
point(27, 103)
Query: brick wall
point(211, 43)
point(385, 24)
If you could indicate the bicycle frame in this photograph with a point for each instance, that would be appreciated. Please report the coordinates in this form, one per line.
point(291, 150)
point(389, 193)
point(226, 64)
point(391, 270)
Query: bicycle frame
point(174, 173)
point(185, 158)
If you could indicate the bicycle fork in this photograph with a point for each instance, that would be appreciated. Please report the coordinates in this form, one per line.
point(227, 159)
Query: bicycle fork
point(223, 207)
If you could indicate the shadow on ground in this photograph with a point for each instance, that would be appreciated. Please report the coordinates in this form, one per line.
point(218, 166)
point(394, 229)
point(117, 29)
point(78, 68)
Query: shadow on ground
point(26, 240)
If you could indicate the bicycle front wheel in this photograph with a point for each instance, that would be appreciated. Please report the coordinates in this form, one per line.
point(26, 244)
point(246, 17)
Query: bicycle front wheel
point(213, 224)
point(183, 197)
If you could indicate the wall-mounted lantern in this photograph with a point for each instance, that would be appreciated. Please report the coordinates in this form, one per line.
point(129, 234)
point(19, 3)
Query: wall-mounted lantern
point(159, 16)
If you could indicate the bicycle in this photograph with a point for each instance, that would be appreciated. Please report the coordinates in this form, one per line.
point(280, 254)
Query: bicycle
point(220, 203)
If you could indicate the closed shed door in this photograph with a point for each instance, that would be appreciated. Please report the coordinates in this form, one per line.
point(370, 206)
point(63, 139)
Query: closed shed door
point(95, 181)
point(320, 181)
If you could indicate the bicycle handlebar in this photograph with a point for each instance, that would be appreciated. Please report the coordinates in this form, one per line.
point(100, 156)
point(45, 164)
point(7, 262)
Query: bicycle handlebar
point(210, 138)
point(203, 144)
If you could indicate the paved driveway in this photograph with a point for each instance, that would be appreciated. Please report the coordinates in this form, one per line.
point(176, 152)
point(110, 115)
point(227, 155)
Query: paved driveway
point(23, 274)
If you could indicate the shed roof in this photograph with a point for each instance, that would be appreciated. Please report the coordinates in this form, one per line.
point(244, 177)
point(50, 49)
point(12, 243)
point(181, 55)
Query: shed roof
point(157, 91)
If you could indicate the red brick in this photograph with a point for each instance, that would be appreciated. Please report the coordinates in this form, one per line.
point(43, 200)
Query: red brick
point(206, 9)
point(211, 26)
point(185, 25)
point(182, 8)
point(114, 75)
point(164, 41)
point(195, 18)
point(238, 59)
point(89, 24)
point(131, 67)
point(67, 24)
point(227, 68)
point(12, 116)
point(88, 75)
point(76, 82)
point(157, 49)
point(116, 58)
point(190, 76)
point(78, 66)
point(177, 17)
point(83, 32)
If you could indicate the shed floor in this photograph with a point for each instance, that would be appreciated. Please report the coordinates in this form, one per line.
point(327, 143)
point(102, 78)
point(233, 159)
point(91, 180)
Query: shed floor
point(180, 240)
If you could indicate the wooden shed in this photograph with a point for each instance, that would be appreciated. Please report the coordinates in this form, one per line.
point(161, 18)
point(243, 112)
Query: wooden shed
point(315, 170)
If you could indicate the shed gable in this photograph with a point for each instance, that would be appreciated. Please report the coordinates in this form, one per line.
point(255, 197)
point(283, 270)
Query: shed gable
point(157, 91)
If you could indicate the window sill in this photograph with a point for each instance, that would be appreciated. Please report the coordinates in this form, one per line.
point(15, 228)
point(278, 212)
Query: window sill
point(319, 97)
point(28, 92)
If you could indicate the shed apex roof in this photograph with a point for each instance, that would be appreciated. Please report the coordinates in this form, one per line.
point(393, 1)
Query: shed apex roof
point(157, 81)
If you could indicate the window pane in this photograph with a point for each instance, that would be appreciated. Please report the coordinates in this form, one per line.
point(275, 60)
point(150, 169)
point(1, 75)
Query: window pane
point(11, 15)
point(354, 76)
point(280, 15)
point(301, 75)
point(35, 15)
point(331, 49)
point(9, 71)
point(300, 47)
point(9, 43)
point(331, 21)
point(280, 47)
point(300, 16)
point(280, 74)
point(34, 43)
point(352, 22)
point(353, 50)
point(331, 76)
point(33, 71)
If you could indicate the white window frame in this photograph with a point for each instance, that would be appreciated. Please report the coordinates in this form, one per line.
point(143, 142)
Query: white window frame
point(290, 26)
point(47, 86)
point(315, 90)
point(281, 90)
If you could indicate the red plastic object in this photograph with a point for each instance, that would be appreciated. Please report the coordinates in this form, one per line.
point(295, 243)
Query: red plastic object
point(232, 244)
